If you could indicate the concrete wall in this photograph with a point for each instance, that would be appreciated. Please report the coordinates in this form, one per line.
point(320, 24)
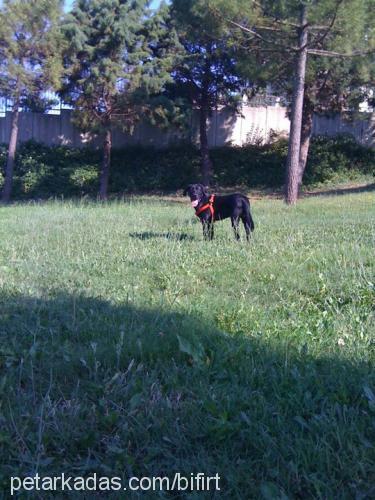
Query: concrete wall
point(362, 130)
point(252, 125)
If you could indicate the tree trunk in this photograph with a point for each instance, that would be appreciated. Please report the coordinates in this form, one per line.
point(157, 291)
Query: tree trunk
point(104, 175)
point(205, 153)
point(292, 163)
point(306, 131)
point(7, 188)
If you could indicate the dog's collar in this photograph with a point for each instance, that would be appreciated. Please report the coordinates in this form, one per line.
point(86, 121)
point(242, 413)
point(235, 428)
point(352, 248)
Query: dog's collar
point(208, 205)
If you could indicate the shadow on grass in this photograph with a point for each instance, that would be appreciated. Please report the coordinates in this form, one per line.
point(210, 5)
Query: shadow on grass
point(368, 188)
point(89, 386)
point(147, 235)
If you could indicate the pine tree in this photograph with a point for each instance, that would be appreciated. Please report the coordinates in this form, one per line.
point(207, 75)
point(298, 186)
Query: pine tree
point(118, 59)
point(30, 62)
point(210, 72)
point(333, 86)
point(293, 32)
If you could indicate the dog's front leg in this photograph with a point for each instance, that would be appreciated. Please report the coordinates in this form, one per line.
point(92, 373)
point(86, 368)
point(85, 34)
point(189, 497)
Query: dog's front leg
point(208, 230)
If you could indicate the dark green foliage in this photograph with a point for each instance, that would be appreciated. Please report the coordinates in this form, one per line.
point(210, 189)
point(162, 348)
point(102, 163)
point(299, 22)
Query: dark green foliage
point(208, 71)
point(147, 169)
point(118, 56)
point(44, 172)
point(250, 166)
point(30, 61)
point(332, 158)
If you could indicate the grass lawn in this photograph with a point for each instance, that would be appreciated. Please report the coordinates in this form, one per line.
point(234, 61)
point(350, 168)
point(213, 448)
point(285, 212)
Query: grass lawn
point(130, 347)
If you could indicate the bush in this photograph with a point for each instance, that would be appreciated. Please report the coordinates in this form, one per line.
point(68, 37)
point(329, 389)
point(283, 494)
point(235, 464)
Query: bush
point(85, 178)
point(43, 172)
point(251, 165)
point(333, 159)
point(150, 169)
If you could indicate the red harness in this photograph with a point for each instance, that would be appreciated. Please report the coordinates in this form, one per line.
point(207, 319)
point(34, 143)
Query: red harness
point(209, 206)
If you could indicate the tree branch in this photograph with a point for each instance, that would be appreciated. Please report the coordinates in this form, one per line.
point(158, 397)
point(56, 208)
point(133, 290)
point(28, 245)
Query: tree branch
point(260, 37)
point(248, 30)
point(320, 28)
point(268, 28)
point(319, 39)
point(330, 53)
point(276, 19)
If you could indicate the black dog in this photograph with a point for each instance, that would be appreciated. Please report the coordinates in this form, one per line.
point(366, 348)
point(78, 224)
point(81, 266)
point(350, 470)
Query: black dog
point(212, 208)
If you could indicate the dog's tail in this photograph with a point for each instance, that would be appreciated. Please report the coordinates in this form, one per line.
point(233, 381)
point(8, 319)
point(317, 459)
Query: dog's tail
point(252, 225)
point(247, 214)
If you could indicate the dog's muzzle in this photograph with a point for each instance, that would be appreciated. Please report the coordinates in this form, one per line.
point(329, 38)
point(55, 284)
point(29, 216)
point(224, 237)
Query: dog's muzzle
point(194, 203)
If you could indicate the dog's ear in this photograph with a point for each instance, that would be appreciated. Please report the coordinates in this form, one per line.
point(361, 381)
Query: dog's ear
point(205, 190)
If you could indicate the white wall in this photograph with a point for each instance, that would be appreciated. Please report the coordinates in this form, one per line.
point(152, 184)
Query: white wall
point(253, 124)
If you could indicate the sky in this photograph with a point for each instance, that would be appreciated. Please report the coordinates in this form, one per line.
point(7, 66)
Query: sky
point(68, 4)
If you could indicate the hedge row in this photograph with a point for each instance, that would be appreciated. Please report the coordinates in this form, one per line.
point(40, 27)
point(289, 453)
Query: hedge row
point(43, 172)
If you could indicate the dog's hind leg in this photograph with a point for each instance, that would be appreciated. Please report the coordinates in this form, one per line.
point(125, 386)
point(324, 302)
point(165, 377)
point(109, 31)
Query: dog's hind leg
point(247, 227)
point(235, 221)
point(247, 221)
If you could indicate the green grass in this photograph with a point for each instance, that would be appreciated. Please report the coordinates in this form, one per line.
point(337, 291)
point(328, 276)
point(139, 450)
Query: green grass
point(128, 346)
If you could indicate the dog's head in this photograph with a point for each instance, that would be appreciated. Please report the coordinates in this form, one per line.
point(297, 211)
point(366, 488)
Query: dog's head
point(197, 193)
